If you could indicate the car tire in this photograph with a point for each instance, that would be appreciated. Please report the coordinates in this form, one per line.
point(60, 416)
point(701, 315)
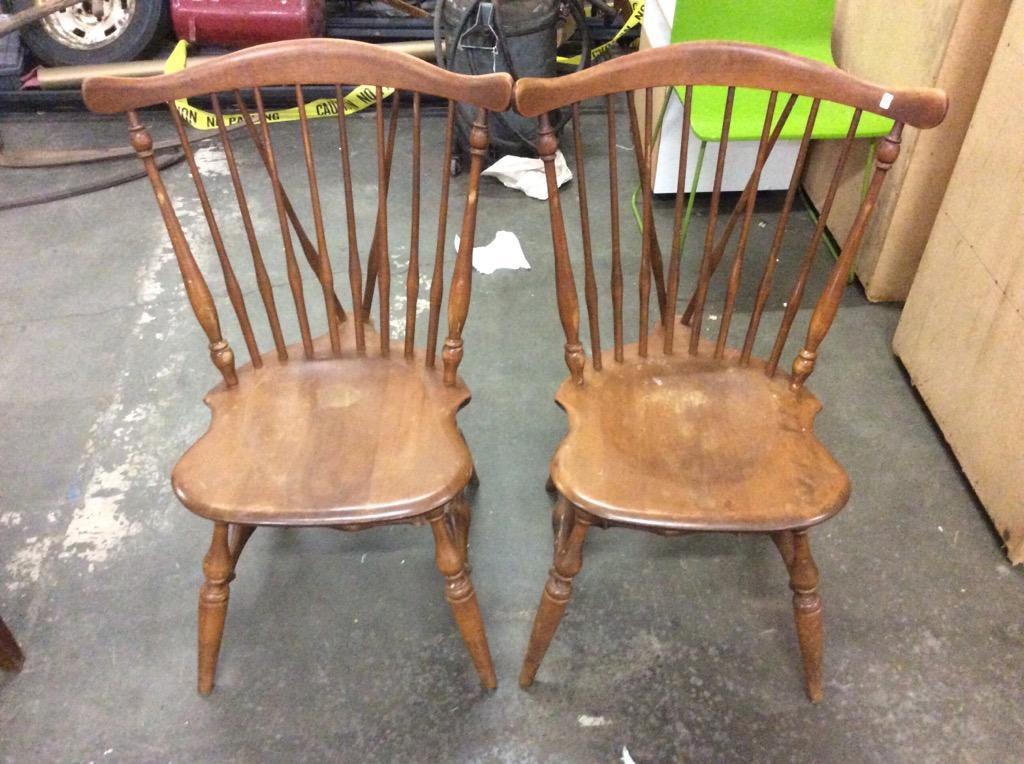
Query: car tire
point(65, 42)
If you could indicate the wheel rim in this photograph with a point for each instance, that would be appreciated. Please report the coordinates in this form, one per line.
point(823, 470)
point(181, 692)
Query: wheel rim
point(90, 25)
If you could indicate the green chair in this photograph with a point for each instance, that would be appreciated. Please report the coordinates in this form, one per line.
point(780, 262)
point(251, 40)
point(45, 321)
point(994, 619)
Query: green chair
point(803, 27)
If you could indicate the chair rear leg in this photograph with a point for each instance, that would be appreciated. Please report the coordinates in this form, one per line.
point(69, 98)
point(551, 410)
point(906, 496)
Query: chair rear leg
point(237, 539)
point(218, 567)
point(570, 531)
point(783, 541)
point(11, 657)
point(807, 610)
point(447, 525)
point(463, 518)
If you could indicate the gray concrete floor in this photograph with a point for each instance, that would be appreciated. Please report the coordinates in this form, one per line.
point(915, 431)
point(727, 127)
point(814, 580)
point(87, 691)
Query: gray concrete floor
point(340, 647)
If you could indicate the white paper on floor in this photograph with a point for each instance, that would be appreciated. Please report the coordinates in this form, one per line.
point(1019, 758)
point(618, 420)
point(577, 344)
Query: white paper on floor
point(527, 174)
point(504, 253)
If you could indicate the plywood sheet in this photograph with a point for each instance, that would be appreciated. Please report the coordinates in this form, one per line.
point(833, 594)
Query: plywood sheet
point(961, 335)
point(944, 44)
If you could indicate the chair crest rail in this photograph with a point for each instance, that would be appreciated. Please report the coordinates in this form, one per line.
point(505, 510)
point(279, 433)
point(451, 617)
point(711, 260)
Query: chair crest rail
point(301, 62)
point(730, 64)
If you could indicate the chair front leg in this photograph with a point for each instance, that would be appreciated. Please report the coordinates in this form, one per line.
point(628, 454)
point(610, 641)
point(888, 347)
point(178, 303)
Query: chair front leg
point(218, 568)
point(807, 611)
point(451, 561)
point(570, 531)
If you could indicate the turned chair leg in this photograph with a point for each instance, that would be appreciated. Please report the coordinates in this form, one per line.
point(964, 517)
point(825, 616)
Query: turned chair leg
point(807, 610)
point(11, 656)
point(570, 531)
point(458, 590)
point(462, 517)
point(218, 568)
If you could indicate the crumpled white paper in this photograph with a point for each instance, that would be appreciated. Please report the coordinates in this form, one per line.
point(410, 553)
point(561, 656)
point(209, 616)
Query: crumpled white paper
point(504, 253)
point(526, 174)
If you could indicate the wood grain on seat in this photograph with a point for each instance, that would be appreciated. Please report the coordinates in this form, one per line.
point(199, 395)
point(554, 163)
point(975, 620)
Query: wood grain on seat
point(687, 442)
point(328, 441)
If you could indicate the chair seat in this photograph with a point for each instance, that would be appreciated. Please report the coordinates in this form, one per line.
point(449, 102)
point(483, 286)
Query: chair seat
point(686, 442)
point(329, 441)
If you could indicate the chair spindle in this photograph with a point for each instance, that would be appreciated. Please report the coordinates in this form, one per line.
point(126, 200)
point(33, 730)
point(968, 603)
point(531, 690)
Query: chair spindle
point(372, 263)
point(324, 260)
point(645, 178)
point(437, 279)
point(765, 285)
point(709, 238)
point(589, 279)
point(735, 273)
point(355, 274)
point(312, 256)
point(677, 224)
point(294, 277)
point(646, 255)
point(379, 255)
point(412, 274)
point(230, 281)
point(263, 283)
point(613, 218)
point(734, 216)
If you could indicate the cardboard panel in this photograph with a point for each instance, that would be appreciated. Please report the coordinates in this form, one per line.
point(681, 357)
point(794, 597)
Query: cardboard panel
point(944, 44)
point(962, 331)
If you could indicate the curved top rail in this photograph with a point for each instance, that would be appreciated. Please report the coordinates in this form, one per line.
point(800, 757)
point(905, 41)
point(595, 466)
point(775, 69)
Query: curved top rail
point(730, 63)
point(299, 62)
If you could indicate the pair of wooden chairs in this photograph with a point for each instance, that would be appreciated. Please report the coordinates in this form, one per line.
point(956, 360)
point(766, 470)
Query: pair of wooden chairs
point(675, 432)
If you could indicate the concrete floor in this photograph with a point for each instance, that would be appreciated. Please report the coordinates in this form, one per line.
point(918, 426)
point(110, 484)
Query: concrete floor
point(340, 646)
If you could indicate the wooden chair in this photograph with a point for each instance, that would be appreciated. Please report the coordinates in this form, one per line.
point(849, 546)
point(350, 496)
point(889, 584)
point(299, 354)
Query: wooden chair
point(341, 431)
point(679, 431)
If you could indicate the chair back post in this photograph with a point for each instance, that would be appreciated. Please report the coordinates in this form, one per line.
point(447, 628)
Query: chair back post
point(195, 285)
point(565, 284)
point(828, 303)
point(462, 278)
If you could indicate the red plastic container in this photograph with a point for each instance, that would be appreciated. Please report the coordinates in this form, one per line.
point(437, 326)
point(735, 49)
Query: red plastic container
point(237, 23)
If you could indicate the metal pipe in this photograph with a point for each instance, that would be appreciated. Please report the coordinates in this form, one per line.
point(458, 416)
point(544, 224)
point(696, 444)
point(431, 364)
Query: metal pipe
point(33, 14)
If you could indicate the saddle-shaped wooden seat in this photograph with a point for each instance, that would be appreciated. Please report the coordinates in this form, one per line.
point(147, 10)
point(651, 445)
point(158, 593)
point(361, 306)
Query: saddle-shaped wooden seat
point(685, 442)
point(332, 441)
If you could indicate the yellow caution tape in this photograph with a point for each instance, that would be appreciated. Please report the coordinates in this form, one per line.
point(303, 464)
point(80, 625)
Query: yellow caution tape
point(635, 19)
point(356, 100)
